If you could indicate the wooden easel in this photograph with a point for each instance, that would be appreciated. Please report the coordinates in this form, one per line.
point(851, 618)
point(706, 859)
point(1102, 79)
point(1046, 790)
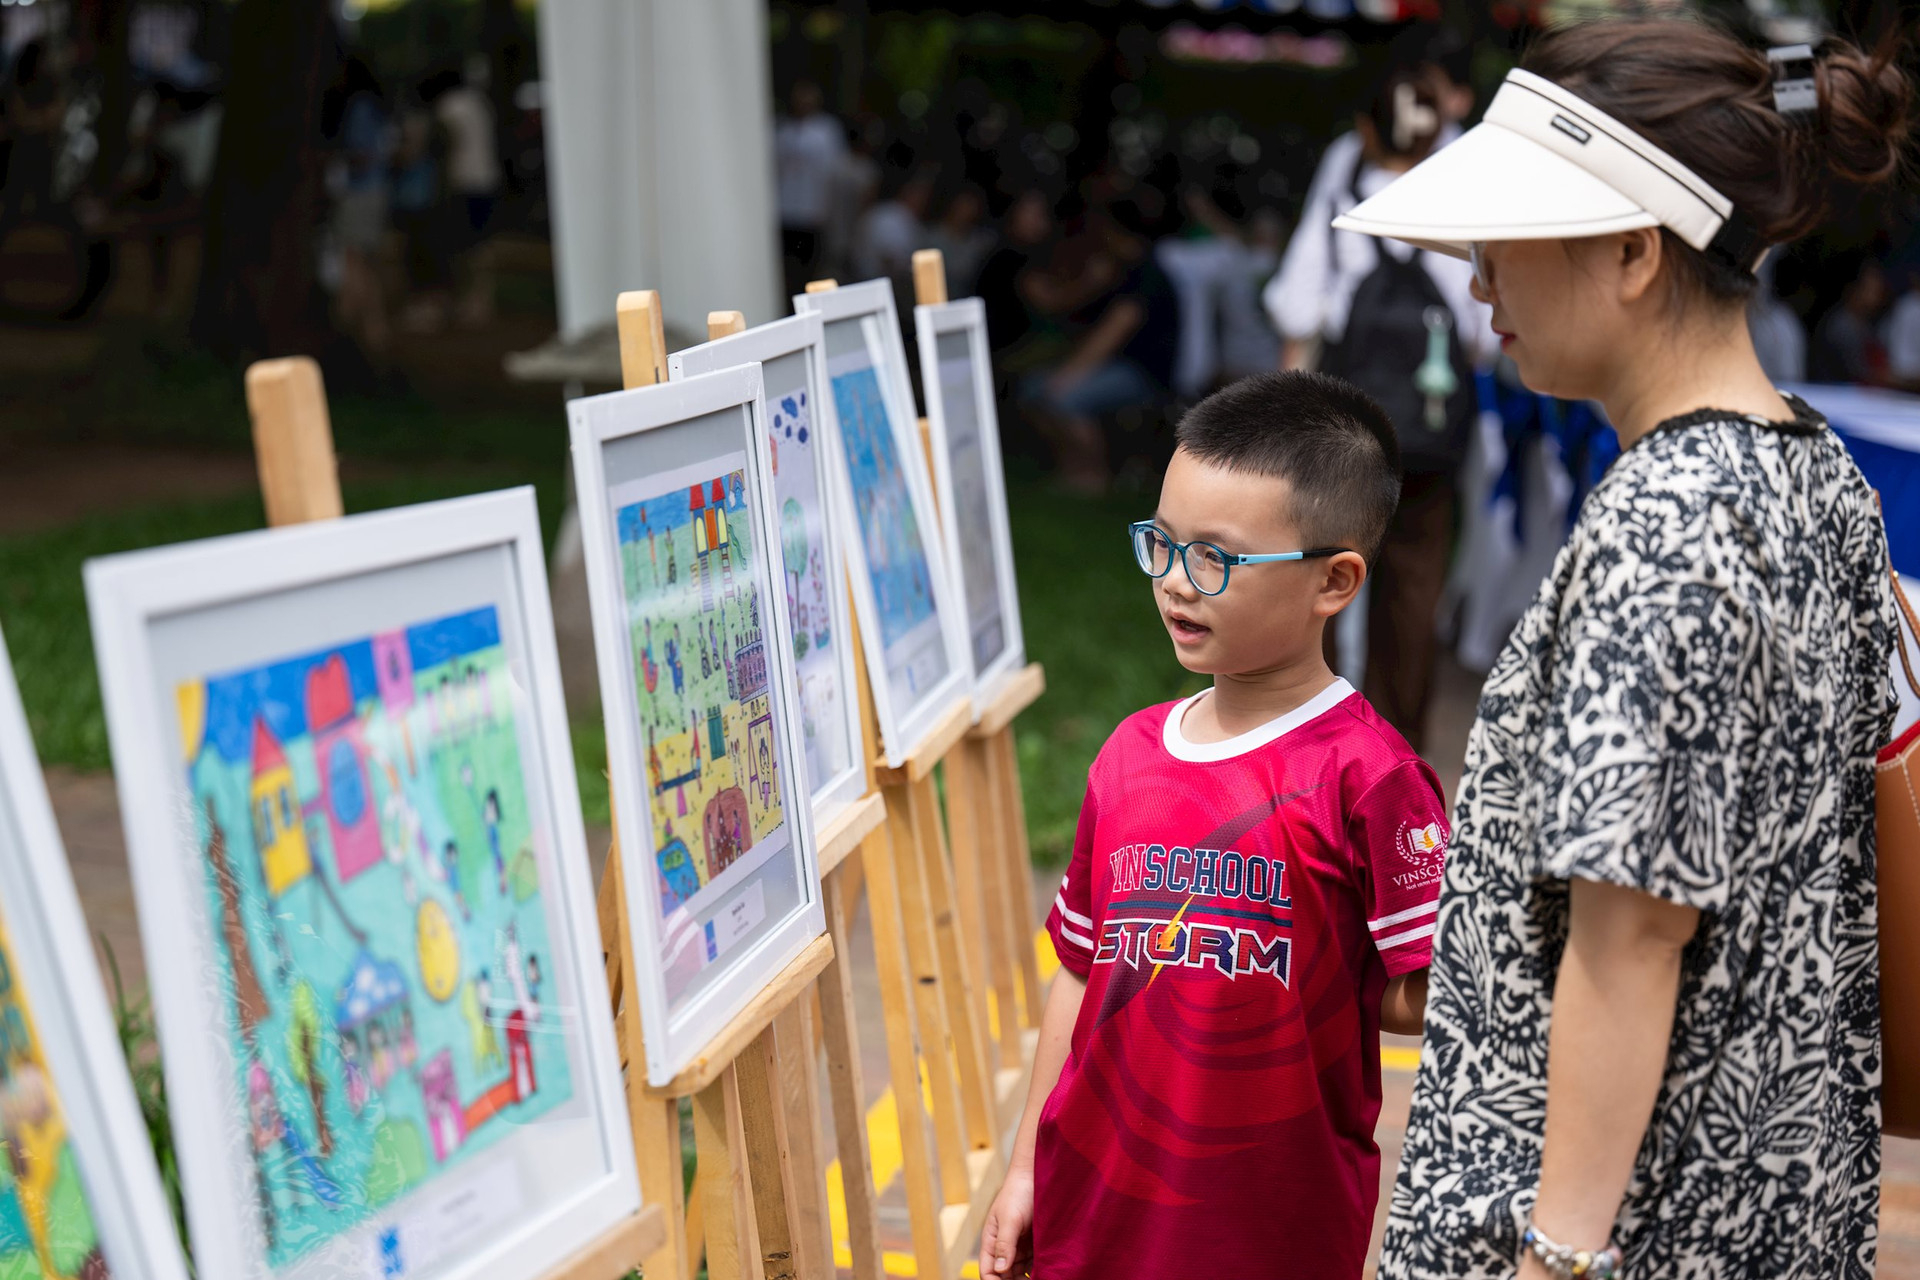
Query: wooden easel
point(759, 1202)
point(300, 481)
point(931, 931)
point(986, 811)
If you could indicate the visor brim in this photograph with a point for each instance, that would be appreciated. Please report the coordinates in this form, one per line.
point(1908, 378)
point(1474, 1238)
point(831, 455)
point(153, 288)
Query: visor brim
point(1493, 184)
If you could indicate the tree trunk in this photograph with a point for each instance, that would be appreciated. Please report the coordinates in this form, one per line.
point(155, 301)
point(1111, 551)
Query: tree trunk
point(259, 292)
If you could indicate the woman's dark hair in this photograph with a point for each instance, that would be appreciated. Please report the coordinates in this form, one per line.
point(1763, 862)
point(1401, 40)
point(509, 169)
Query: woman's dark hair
point(1405, 113)
point(1706, 99)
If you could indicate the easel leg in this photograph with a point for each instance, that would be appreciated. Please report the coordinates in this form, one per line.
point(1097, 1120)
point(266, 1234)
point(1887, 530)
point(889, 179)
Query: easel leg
point(956, 976)
point(840, 1031)
point(771, 1177)
point(910, 831)
point(656, 1139)
point(1004, 940)
point(719, 1136)
point(892, 952)
point(799, 1097)
point(1018, 861)
point(970, 829)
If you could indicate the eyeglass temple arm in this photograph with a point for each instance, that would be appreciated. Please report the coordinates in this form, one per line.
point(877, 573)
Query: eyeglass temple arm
point(1315, 554)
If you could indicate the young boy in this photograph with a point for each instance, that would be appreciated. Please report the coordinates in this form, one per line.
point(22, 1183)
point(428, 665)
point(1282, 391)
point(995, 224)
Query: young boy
point(1252, 892)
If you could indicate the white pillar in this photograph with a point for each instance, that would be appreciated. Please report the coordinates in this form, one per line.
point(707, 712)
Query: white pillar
point(659, 124)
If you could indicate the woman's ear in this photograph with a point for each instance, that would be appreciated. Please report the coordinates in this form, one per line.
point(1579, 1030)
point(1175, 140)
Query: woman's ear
point(1638, 259)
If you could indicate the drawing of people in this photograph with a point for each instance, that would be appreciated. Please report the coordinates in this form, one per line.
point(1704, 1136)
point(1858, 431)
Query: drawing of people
point(383, 1063)
point(673, 662)
point(653, 555)
point(533, 987)
point(706, 657)
point(476, 1006)
point(490, 814)
point(358, 1089)
point(450, 862)
point(649, 671)
point(673, 567)
point(654, 772)
point(766, 775)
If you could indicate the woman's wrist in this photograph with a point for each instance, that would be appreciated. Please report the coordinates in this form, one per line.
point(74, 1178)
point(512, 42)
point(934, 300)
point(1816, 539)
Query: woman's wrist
point(1571, 1262)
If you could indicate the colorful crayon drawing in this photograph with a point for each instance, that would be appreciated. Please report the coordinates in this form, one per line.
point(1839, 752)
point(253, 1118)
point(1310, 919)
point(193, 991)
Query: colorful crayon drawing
point(803, 517)
point(694, 612)
point(972, 500)
point(378, 918)
point(897, 565)
point(46, 1225)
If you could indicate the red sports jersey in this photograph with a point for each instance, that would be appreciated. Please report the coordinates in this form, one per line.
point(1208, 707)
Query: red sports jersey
point(1236, 908)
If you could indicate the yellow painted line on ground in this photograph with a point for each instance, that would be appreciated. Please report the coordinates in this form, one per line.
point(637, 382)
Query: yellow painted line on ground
point(883, 1135)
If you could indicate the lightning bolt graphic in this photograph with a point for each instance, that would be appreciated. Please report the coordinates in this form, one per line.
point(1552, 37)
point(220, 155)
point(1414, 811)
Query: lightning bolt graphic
point(1166, 936)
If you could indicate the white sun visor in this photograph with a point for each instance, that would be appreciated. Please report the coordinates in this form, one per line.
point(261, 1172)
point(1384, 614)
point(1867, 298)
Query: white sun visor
point(1545, 165)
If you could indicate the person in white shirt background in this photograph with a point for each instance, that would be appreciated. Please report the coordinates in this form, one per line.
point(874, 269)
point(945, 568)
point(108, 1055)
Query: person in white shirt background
point(1310, 300)
point(809, 150)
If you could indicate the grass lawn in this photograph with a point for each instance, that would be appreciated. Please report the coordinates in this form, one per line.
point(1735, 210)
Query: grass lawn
point(1087, 613)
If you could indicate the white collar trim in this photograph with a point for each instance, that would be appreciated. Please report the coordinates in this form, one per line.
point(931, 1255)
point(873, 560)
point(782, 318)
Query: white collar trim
point(1210, 752)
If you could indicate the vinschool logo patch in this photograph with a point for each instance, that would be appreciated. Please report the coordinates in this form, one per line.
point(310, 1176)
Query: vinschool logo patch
point(1426, 843)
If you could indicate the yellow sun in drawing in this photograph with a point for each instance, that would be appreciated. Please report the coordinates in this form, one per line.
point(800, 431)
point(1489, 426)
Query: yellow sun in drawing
point(439, 951)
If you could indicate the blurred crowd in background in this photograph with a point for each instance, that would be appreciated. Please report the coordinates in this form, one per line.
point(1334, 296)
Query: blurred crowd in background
point(1140, 191)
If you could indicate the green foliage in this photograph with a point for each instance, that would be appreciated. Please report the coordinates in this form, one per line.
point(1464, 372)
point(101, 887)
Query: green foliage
point(140, 1045)
point(43, 608)
point(1089, 619)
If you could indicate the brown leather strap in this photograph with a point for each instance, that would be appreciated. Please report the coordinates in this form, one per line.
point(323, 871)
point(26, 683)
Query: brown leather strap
point(1905, 607)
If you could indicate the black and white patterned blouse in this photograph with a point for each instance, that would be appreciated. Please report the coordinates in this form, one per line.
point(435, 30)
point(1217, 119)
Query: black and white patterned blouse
point(1691, 708)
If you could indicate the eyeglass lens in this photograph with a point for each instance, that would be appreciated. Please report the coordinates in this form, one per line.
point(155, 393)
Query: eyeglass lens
point(1206, 564)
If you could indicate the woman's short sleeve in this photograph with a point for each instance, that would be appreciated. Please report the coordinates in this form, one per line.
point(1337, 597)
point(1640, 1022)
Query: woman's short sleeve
point(1643, 768)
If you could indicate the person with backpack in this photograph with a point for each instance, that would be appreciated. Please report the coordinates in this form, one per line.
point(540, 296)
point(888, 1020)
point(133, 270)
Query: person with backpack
point(1402, 325)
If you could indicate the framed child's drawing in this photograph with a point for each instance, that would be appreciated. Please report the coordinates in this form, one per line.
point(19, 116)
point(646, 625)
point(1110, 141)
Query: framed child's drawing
point(80, 1194)
point(711, 798)
point(910, 619)
point(792, 356)
point(957, 372)
point(354, 829)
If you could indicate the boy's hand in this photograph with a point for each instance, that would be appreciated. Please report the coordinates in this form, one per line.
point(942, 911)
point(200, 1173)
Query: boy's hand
point(1006, 1241)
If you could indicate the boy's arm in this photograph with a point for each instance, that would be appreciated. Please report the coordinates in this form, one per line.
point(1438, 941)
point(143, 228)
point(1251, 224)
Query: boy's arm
point(1403, 1005)
point(1005, 1239)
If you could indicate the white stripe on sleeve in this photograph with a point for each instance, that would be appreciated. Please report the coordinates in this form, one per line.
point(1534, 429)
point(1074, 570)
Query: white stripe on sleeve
point(1400, 917)
point(1060, 904)
point(1411, 935)
point(1079, 940)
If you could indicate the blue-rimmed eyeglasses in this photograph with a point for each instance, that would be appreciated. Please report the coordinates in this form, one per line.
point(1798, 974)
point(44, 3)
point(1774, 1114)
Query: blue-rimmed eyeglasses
point(1206, 565)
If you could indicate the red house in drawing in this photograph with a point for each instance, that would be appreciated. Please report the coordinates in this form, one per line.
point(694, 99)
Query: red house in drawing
point(340, 757)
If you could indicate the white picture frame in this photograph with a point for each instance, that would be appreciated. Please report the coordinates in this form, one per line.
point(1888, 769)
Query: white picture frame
point(717, 918)
point(917, 661)
point(500, 1198)
point(956, 370)
point(50, 977)
point(793, 351)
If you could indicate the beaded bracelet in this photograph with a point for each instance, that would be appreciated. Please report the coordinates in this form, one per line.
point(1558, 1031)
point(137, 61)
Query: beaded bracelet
point(1564, 1263)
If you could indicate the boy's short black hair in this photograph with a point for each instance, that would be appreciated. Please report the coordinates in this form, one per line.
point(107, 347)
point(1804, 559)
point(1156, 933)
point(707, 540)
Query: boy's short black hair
point(1326, 438)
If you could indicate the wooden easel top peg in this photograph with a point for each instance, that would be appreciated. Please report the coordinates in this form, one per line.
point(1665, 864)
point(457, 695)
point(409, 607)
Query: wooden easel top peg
point(929, 277)
point(300, 481)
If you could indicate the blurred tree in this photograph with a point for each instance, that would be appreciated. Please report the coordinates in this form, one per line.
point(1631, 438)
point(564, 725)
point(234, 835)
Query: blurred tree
point(259, 293)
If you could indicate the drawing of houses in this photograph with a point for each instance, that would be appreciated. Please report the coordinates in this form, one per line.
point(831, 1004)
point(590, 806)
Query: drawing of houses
point(340, 754)
point(708, 503)
point(374, 1013)
point(278, 832)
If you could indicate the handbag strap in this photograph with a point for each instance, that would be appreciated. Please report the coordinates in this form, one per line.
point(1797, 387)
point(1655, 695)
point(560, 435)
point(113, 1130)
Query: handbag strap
point(1907, 616)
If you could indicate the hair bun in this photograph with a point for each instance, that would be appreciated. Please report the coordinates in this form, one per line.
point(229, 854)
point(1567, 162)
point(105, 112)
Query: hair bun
point(1865, 103)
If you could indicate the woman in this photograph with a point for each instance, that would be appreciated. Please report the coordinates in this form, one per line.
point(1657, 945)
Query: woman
point(1653, 1027)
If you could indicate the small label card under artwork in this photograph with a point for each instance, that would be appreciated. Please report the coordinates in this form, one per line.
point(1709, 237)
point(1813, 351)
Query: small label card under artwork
point(419, 1240)
point(737, 919)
